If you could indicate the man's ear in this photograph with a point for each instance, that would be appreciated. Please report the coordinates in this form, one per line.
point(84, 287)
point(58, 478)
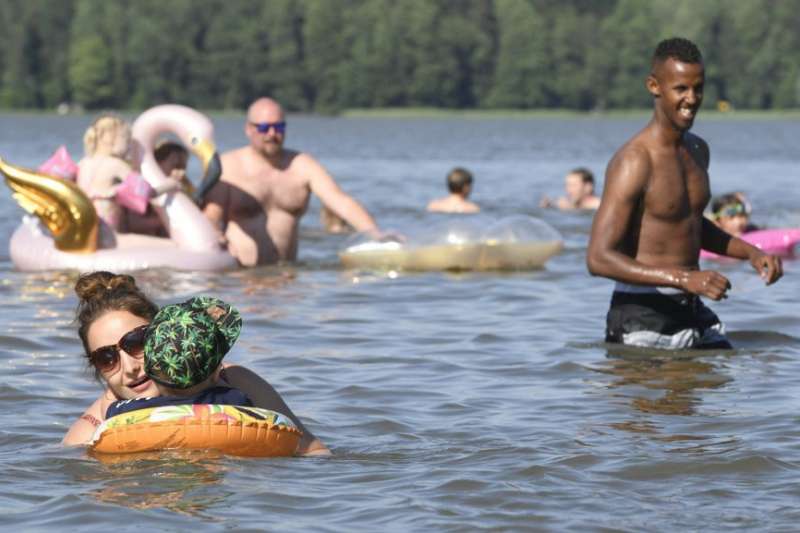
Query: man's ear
point(652, 86)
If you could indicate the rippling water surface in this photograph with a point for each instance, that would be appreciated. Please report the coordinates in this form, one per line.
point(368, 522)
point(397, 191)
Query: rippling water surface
point(450, 401)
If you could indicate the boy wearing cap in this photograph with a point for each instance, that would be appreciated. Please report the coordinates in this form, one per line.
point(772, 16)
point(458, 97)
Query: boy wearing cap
point(183, 351)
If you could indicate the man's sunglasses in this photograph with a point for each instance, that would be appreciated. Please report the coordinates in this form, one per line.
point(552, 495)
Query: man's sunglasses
point(106, 358)
point(264, 127)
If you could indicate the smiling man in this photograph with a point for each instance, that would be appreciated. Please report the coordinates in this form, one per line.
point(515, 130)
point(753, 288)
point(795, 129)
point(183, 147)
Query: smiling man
point(265, 188)
point(649, 228)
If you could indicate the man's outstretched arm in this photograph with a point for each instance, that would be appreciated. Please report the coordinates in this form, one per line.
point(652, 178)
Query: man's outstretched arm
point(334, 198)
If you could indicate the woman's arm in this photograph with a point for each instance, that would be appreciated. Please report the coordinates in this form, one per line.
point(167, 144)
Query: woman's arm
point(264, 395)
point(81, 431)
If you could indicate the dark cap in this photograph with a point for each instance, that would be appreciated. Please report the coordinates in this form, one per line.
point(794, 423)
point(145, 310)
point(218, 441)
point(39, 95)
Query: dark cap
point(185, 343)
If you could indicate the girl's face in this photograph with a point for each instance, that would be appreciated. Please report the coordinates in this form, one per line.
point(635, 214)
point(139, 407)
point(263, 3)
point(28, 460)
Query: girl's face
point(734, 225)
point(125, 377)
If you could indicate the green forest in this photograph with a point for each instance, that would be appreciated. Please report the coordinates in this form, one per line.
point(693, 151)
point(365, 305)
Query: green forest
point(331, 55)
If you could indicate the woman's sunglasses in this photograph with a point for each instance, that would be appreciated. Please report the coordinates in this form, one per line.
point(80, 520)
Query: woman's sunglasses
point(106, 358)
point(264, 127)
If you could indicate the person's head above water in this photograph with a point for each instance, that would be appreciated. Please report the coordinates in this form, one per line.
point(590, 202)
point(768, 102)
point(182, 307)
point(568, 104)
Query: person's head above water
point(459, 181)
point(579, 184)
point(185, 343)
point(109, 134)
point(110, 314)
point(171, 156)
point(676, 81)
point(731, 212)
point(266, 127)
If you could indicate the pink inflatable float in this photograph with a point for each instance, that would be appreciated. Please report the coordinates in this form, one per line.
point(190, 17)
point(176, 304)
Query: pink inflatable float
point(64, 233)
point(779, 241)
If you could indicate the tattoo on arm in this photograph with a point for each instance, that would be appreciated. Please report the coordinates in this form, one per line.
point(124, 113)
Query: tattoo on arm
point(89, 418)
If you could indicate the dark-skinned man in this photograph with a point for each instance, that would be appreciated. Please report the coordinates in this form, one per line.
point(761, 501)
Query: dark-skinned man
point(649, 228)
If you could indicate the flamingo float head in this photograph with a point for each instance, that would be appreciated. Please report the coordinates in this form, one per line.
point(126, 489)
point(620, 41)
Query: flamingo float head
point(193, 129)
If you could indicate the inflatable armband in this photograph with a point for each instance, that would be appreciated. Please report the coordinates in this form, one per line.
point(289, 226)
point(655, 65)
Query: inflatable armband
point(134, 193)
point(60, 165)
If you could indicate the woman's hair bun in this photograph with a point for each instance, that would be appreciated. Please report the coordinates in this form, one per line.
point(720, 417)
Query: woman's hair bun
point(98, 284)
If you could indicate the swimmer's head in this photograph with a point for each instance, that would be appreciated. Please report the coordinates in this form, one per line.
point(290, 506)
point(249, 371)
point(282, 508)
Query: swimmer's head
point(171, 156)
point(579, 184)
point(731, 212)
point(266, 127)
point(109, 134)
point(459, 181)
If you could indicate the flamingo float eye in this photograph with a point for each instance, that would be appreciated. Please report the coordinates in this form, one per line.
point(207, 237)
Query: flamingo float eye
point(195, 140)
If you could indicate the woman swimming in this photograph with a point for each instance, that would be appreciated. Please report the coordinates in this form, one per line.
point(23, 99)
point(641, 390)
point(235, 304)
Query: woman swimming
point(111, 314)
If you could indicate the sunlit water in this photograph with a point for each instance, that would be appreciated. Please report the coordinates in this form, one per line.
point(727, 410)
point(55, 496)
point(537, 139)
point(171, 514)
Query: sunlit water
point(450, 401)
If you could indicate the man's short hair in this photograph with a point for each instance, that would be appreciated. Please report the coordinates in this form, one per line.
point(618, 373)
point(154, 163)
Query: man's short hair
point(585, 174)
point(677, 48)
point(167, 148)
point(457, 179)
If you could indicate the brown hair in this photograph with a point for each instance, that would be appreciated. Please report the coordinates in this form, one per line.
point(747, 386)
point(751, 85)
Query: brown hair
point(585, 174)
point(101, 292)
point(457, 179)
point(165, 149)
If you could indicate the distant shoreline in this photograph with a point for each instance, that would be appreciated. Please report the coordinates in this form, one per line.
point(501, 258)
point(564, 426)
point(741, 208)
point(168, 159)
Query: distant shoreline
point(430, 112)
point(553, 113)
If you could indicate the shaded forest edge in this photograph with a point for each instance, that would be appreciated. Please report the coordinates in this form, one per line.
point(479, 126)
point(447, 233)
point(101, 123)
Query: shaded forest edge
point(389, 58)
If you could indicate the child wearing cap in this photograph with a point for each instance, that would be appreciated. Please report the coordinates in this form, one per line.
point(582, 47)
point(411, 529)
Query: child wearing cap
point(183, 351)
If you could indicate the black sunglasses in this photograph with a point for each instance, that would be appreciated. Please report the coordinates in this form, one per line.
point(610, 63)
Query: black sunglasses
point(106, 358)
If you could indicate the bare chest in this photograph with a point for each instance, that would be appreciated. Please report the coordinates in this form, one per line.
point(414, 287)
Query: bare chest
point(268, 191)
point(678, 187)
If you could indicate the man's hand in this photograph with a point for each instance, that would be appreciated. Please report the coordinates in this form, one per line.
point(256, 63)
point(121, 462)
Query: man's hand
point(709, 283)
point(769, 267)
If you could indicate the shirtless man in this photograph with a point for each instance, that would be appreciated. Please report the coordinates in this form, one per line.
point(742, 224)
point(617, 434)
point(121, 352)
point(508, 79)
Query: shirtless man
point(649, 229)
point(579, 186)
point(459, 183)
point(265, 189)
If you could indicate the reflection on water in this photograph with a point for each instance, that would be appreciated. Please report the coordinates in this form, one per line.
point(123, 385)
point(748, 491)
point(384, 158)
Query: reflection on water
point(182, 482)
point(666, 384)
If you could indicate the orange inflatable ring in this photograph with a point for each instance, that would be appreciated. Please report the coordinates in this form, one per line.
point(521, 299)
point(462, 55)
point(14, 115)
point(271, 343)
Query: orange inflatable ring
point(235, 430)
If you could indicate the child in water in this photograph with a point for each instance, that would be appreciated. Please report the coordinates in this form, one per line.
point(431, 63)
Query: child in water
point(731, 212)
point(459, 183)
point(183, 351)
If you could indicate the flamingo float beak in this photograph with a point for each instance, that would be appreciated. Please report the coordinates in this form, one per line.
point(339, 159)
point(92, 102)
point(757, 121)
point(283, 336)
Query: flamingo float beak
point(212, 168)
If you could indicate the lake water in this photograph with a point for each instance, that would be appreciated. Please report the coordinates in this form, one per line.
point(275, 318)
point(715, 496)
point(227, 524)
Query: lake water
point(450, 401)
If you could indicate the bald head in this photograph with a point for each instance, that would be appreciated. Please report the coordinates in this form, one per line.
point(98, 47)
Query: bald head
point(264, 106)
point(266, 127)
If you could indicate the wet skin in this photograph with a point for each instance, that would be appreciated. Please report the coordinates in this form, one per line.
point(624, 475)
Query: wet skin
point(650, 225)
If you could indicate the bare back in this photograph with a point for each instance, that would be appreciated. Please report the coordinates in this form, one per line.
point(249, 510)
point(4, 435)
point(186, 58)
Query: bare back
point(98, 177)
point(453, 204)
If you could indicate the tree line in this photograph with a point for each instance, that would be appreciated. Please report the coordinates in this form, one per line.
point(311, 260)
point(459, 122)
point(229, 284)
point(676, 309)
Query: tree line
point(329, 55)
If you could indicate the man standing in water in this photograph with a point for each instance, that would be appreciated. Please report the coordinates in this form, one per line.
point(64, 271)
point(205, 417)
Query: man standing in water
point(649, 229)
point(265, 188)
